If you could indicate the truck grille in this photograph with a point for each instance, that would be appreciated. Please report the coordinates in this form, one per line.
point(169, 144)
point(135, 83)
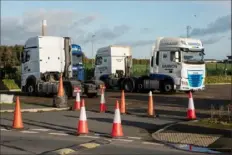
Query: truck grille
point(195, 80)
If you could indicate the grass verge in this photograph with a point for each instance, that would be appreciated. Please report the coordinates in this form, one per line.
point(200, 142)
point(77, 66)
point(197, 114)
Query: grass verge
point(212, 124)
point(218, 79)
point(10, 84)
point(22, 104)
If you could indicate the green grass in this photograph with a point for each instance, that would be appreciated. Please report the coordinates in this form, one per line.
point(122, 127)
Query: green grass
point(212, 124)
point(218, 79)
point(214, 73)
point(10, 84)
point(215, 66)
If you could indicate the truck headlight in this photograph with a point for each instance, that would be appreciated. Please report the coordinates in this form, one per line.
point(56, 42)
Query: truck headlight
point(184, 83)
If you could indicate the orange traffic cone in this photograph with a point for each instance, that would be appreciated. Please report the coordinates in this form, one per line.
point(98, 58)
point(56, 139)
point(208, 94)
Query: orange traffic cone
point(61, 87)
point(77, 104)
point(82, 124)
point(191, 110)
point(117, 127)
point(102, 102)
point(17, 122)
point(123, 104)
point(150, 110)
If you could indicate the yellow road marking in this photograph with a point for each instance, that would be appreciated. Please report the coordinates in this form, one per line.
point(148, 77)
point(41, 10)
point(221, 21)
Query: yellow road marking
point(90, 145)
point(64, 151)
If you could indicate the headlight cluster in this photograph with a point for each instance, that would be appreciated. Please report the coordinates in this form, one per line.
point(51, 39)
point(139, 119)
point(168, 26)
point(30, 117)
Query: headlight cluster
point(184, 83)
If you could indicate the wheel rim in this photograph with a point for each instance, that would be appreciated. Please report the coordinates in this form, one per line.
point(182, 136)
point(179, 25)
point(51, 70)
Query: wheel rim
point(128, 86)
point(30, 89)
point(168, 88)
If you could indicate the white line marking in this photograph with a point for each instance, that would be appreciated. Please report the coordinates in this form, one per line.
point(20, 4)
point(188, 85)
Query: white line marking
point(89, 136)
point(60, 134)
point(134, 137)
point(150, 143)
point(28, 132)
point(99, 134)
point(124, 140)
point(41, 129)
point(4, 130)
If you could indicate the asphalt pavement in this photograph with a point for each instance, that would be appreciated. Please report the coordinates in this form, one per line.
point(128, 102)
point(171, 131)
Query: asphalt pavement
point(15, 142)
point(136, 103)
point(99, 123)
point(46, 131)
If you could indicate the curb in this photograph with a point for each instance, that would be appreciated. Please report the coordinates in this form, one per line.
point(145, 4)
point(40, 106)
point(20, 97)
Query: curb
point(218, 84)
point(173, 145)
point(11, 90)
point(77, 148)
point(36, 110)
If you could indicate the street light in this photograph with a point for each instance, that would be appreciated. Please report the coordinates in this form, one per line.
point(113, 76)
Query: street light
point(188, 30)
point(189, 27)
point(92, 50)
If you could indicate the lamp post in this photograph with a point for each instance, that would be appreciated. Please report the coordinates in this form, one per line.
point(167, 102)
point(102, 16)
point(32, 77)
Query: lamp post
point(188, 30)
point(92, 50)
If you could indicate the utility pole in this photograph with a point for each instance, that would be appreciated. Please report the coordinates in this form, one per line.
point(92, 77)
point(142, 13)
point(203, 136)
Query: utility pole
point(188, 31)
point(92, 51)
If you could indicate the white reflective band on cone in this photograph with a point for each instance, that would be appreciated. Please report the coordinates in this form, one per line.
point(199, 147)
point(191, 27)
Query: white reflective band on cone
point(191, 105)
point(117, 117)
point(83, 114)
point(150, 93)
point(78, 97)
point(102, 99)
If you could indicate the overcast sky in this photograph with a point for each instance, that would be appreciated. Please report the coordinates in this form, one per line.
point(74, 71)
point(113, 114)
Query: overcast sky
point(133, 23)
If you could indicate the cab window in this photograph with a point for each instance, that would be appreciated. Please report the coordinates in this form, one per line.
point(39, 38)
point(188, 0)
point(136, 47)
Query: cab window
point(172, 56)
point(98, 60)
point(25, 56)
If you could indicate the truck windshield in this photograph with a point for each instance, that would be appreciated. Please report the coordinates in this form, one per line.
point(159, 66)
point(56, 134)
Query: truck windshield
point(193, 57)
point(76, 60)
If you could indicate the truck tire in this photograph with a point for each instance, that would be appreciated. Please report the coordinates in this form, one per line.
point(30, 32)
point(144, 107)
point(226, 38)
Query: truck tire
point(91, 95)
point(30, 88)
point(68, 90)
point(167, 87)
point(129, 85)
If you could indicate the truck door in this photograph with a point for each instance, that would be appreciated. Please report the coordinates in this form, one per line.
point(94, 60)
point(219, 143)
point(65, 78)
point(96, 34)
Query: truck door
point(98, 65)
point(26, 63)
point(25, 67)
point(164, 61)
point(168, 64)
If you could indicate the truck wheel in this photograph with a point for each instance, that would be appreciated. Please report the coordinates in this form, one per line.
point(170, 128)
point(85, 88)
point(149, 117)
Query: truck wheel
point(30, 88)
point(168, 87)
point(91, 95)
point(129, 85)
point(67, 91)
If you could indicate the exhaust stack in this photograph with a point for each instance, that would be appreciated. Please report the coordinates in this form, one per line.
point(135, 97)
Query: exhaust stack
point(44, 24)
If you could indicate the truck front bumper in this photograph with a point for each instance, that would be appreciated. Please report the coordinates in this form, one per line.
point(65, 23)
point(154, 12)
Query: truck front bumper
point(187, 88)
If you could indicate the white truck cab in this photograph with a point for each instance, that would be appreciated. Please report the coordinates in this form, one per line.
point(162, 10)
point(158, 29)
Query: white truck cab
point(176, 64)
point(181, 60)
point(112, 61)
point(43, 59)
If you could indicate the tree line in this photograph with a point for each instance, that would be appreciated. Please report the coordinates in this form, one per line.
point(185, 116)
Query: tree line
point(10, 56)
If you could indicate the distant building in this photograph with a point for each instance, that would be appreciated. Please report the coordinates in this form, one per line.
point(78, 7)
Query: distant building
point(210, 61)
point(229, 58)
